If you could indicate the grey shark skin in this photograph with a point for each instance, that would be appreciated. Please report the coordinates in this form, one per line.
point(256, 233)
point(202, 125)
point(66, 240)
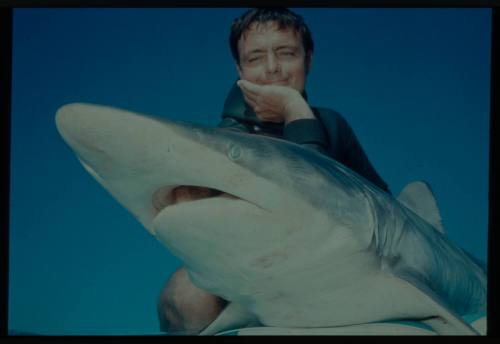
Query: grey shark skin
point(302, 242)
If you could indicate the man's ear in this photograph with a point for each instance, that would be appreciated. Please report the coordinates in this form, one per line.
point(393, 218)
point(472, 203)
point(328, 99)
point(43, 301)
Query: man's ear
point(308, 61)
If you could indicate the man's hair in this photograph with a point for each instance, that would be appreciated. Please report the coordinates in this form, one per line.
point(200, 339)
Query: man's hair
point(282, 16)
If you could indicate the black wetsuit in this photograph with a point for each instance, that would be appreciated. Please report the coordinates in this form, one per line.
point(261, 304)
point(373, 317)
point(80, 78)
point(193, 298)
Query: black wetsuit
point(329, 134)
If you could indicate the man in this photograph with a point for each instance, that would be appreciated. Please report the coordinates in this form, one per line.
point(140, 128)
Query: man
point(273, 50)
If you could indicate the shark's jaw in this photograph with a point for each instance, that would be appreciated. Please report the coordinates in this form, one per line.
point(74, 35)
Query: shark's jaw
point(167, 201)
point(169, 196)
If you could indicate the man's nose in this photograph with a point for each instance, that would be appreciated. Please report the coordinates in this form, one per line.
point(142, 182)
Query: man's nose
point(272, 64)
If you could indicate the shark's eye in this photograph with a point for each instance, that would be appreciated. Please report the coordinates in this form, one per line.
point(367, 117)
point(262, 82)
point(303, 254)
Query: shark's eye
point(234, 152)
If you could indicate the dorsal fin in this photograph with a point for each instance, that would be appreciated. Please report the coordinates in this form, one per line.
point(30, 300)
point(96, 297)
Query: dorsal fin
point(419, 197)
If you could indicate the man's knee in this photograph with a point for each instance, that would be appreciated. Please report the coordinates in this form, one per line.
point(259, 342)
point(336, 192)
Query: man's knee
point(184, 308)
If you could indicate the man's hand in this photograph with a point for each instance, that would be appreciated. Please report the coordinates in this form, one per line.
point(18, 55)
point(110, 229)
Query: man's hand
point(275, 103)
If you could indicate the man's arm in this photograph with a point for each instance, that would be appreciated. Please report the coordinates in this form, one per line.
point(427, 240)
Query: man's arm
point(306, 132)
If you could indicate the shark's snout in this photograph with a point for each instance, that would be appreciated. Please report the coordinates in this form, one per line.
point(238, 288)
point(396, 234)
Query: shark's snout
point(68, 119)
point(66, 113)
point(94, 126)
point(115, 142)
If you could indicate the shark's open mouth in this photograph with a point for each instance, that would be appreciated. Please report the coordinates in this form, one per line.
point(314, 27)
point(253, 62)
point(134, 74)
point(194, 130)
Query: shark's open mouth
point(172, 195)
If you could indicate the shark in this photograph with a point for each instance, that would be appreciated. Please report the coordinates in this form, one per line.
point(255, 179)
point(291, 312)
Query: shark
point(293, 239)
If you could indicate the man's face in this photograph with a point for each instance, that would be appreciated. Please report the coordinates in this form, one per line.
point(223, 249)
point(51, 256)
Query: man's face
point(272, 56)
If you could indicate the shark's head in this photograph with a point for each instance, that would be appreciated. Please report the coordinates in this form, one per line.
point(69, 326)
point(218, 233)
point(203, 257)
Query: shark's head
point(272, 202)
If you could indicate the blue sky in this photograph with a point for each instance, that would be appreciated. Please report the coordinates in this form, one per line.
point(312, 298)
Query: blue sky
point(413, 84)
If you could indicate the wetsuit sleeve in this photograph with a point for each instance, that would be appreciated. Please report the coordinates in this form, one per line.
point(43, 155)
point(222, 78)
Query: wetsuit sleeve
point(356, 159)
point(306, 132)
point(232, 124)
